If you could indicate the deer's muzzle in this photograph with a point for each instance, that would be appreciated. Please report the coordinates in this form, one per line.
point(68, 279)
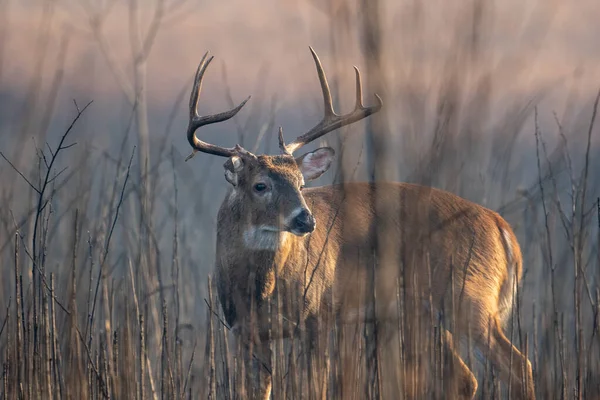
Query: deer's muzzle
point(303, 223)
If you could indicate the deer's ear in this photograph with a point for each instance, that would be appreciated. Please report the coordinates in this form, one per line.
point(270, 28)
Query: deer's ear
point(316, 163)
point(233, 165)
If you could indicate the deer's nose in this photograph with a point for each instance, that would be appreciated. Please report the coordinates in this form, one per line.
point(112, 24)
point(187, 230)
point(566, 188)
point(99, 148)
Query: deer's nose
point(303, 222)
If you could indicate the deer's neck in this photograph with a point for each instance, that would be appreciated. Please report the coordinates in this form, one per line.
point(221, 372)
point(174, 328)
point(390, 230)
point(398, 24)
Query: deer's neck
point(269, 247)
point(263, 238)
point(256, 244)
point(261, 267)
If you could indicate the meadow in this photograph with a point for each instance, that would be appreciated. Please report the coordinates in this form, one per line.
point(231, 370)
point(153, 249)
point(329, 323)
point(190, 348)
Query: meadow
point(107, 236)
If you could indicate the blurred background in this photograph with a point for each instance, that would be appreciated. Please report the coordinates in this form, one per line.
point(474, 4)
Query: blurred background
point(107, 236)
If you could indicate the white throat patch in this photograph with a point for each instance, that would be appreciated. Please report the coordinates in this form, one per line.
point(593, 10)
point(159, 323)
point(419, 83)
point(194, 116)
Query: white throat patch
point(264, 237)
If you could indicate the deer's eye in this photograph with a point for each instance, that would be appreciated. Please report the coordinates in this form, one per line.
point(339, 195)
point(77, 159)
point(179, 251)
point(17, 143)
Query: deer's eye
point(260, 187)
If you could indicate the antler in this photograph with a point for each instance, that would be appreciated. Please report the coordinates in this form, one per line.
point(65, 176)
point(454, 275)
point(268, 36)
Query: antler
point(331, 121)
point(196, 121)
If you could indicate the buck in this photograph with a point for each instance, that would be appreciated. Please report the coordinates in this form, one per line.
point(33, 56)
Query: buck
point(314, 247)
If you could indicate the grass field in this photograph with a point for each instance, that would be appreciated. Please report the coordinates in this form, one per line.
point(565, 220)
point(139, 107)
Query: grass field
point(107, 236)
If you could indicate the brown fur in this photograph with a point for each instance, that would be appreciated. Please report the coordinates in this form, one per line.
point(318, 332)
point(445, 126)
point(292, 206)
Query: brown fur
point(321, 275)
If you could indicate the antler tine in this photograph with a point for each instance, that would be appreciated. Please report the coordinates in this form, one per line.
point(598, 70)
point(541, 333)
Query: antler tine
point(282, 142)
point(327, 102)
point(196, 121)
point(359, 96)
point(195, 94)
point(331, 121)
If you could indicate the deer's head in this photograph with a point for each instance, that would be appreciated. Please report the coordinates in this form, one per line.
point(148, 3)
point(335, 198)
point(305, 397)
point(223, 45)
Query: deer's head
point(269, 187)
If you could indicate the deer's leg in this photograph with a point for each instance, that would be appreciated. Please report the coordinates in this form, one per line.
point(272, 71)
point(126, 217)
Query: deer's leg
point(519, 368)
point(256, 358)
point(459, 381)
point(263, 356)
point(258, 371)
point(516, 372)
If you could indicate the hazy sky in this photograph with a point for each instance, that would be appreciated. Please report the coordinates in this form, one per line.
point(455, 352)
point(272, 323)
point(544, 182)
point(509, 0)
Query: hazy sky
point(552, 40)
point(263, 45)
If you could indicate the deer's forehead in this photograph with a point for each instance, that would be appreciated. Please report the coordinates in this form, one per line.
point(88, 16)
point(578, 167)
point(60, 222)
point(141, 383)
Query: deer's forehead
point(281, 168)
point(277, 162)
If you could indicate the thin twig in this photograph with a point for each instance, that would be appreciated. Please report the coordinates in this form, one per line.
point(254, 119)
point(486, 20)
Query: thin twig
point(19, 172)
point(107, 246)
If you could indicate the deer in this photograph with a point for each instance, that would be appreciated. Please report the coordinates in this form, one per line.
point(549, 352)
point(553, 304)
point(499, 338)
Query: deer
point(314, 246)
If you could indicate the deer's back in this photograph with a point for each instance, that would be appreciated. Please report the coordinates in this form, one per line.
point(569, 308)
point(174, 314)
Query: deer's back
point(418, 229)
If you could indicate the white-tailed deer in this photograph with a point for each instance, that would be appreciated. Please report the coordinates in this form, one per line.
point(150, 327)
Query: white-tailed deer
point(317, 248)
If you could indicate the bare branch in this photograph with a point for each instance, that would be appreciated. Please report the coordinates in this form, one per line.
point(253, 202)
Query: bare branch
point(108, 240)
point(68, 146)
point(20, 173)
point(58, 174)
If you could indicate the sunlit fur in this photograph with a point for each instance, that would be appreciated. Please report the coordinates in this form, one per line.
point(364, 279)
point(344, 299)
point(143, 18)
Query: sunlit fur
point(434, 236)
